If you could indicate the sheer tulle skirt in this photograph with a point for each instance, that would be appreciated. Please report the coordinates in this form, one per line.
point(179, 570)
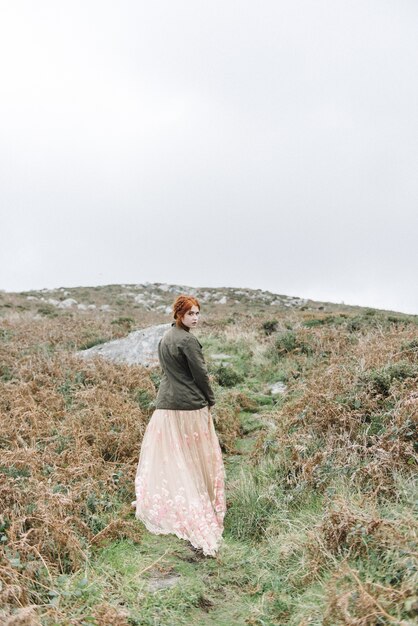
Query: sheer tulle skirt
point(180, 480)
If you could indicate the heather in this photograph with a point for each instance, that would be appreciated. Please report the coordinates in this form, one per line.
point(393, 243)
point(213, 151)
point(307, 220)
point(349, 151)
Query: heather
point(321, 525)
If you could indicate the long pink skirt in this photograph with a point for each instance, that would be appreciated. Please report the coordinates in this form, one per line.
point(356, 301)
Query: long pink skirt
point(180, 480)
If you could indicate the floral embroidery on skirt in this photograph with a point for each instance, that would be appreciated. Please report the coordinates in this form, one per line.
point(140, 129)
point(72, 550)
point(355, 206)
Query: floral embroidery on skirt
point(180, 479)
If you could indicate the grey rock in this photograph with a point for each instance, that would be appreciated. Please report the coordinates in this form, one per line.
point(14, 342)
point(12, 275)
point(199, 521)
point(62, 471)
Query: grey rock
point(277, 388)
point(137, 348)
point(159, 581)
point(220, 357)
point(67, 303)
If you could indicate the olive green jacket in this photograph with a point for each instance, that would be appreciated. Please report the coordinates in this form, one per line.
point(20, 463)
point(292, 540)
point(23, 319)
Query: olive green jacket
point(185, 382)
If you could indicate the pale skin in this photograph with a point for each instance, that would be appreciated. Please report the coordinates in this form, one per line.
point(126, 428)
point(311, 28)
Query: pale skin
point(191, 317)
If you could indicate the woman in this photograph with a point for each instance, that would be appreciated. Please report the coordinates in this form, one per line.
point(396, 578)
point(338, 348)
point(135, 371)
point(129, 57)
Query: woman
point(180, 478)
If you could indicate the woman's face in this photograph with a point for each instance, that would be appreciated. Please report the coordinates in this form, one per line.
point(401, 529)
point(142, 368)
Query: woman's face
point(191, 318)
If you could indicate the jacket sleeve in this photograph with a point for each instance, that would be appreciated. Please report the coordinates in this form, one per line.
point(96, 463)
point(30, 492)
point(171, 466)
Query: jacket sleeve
point(193, 353)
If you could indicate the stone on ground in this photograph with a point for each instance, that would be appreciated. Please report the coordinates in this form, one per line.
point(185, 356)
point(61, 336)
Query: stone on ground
point(138, 348)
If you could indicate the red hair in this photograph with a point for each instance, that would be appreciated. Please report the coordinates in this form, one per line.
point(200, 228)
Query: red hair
point(183, 304)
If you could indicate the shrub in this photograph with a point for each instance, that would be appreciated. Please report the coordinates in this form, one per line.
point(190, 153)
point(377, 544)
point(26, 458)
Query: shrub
point(270, 327)
point(91, 343)
point(397, 319)
point(226, 418)
point(5, 334)
point(287, 343)
point(125, 322)
point(227, 376)
point(145, 400)
point(5, 373)
point(380, 380)
point(316, 321)
point(325, 321)
point(47, 310)
point(410, 346)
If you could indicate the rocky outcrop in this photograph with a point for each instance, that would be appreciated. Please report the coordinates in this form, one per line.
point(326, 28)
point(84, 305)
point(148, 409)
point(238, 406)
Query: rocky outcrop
point(159, 297)
point(137, 348)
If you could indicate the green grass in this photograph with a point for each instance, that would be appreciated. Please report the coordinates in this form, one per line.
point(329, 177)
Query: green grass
point(162, 582)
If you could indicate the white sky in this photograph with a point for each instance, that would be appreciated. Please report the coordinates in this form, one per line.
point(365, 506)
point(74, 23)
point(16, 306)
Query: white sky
point(264, 144)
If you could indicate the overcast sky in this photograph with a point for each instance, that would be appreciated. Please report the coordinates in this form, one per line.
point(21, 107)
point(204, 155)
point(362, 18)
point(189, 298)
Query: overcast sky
point(269, 144)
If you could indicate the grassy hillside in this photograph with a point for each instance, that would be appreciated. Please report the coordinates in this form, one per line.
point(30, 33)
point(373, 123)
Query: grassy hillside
point(321, 527)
